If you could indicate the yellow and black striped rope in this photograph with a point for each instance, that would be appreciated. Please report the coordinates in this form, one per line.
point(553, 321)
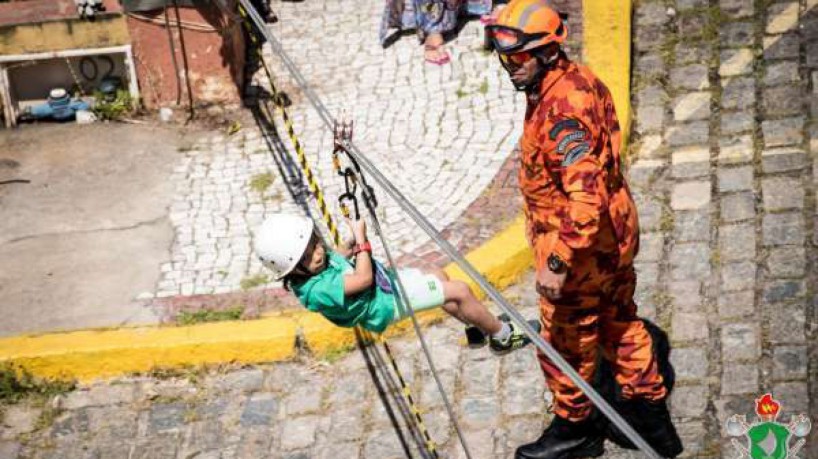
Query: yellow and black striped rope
point(407, 394)
point(288, 124)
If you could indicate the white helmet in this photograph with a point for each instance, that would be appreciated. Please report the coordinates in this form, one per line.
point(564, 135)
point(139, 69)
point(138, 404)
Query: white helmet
point(281, 240)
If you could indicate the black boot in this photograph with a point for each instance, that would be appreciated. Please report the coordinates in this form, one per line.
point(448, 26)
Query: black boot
point(565, 440)
point(652, 421)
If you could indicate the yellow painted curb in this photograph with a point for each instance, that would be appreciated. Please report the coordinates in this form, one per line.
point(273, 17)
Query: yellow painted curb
point(86, 355)
point(90, 354)
point(501, 260)
point(607, 50)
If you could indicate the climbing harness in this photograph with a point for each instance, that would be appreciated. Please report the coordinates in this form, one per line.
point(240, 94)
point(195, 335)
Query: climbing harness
point(372, 171)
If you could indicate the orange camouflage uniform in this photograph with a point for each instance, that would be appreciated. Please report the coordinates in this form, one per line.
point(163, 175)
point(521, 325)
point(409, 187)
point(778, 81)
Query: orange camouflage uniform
point(578, 206)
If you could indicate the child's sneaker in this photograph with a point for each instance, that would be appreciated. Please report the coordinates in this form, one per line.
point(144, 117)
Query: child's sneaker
point(475, 337)
point(516, 340)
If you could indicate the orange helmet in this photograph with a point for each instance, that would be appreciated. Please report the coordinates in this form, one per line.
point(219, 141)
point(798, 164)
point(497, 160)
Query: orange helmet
point(524, 25)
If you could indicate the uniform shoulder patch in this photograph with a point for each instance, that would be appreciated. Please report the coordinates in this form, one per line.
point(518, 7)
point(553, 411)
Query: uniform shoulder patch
point(570, 124)
point(575, 153)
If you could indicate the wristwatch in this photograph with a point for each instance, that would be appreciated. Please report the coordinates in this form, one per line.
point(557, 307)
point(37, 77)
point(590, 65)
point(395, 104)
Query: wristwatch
point(555, 264)
point(365, 247)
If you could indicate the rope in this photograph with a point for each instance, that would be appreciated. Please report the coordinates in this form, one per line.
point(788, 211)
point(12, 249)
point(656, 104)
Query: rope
point(450, 250)
point(74, 76)
point(319, 196)
point(299, 149)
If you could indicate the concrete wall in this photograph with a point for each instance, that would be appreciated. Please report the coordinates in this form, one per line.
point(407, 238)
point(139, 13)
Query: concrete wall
point(215, 52)
point(37, 26)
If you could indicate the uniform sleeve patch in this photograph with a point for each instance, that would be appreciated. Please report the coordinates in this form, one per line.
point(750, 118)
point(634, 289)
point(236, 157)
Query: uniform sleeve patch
point(576, 153)
point(561, 126)
point(568, 139)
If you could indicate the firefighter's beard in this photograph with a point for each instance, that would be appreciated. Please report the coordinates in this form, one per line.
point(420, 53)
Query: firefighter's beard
point(528, 79)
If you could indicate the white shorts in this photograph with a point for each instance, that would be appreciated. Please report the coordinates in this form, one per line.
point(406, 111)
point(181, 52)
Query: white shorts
point(424, 291)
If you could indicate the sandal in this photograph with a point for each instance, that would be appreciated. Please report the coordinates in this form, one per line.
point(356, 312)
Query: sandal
point(442, 59)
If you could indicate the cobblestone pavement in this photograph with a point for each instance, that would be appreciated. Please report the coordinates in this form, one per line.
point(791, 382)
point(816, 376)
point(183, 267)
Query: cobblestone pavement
point(726, 96)
point(304, 409)
point(443, 134)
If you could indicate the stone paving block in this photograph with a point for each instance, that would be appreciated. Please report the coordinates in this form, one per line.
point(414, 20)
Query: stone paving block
point(738, 149)
point(651, 247)
point(650, 213)
point(155, 448)
point(260, 410)
point(690, 363)
point(691, 226)
point(793, 397)
point(648, 273)
point(651, 118)
point(736, 34)
point(17, 420)
point(339, 450)
point(694, 437)
point(648, 149)
point(689, 401)
point(783, 290)
point(737, 8)
point(299, 433)
point(689, 53)
point(736, 304)
point(692, 106)
point(783, 132)
point(349, 390)
point(303, 400)
point(385, 444)
point(9, 449)
point(736, 62)
point(167, 416)
point(650, 65)
point(785, 100)
point(784, 46)
point(739, 378)
point(480, 377)
point(689, 327)
point(787, 323)
point(782, 193)
point(782, 17)
point(696, 132)
point(738, 93)
point(784, 72)
point(786, 262)
point(738, 122)
point(346, 425)
point(782, 229)
point(740, 341)
point(477, 413)
point(735, 178)
point(686, 296)
point(651, 14)
point(737, 242)
point(690, 261)
point(783, 160)
point(649, 38)
point(690, 195)
point(691, 162)
point(790, 362)
point(691, 77)
point(737, 207)
point(738, 276)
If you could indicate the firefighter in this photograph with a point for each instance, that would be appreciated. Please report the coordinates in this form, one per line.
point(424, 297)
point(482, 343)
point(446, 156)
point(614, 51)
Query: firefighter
point(582, 226)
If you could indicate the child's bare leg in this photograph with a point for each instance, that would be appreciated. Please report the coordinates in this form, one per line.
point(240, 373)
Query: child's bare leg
point(462, 304)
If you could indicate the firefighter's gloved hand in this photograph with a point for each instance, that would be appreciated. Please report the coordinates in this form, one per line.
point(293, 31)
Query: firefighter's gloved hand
point(549, 283)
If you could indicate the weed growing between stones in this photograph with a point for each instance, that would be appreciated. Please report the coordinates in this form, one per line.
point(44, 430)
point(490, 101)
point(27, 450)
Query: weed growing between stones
point(209, 315)
point(16, 383)
point(252, 282)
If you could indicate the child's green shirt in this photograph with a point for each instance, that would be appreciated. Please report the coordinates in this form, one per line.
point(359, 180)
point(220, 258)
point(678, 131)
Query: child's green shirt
point(323, 293)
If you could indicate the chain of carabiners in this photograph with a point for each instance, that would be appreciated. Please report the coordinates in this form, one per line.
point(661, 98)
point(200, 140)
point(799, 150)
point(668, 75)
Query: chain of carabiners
point(353, 175)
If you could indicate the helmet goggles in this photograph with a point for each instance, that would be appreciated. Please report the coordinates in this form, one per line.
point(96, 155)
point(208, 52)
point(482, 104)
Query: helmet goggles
point(508, 40)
